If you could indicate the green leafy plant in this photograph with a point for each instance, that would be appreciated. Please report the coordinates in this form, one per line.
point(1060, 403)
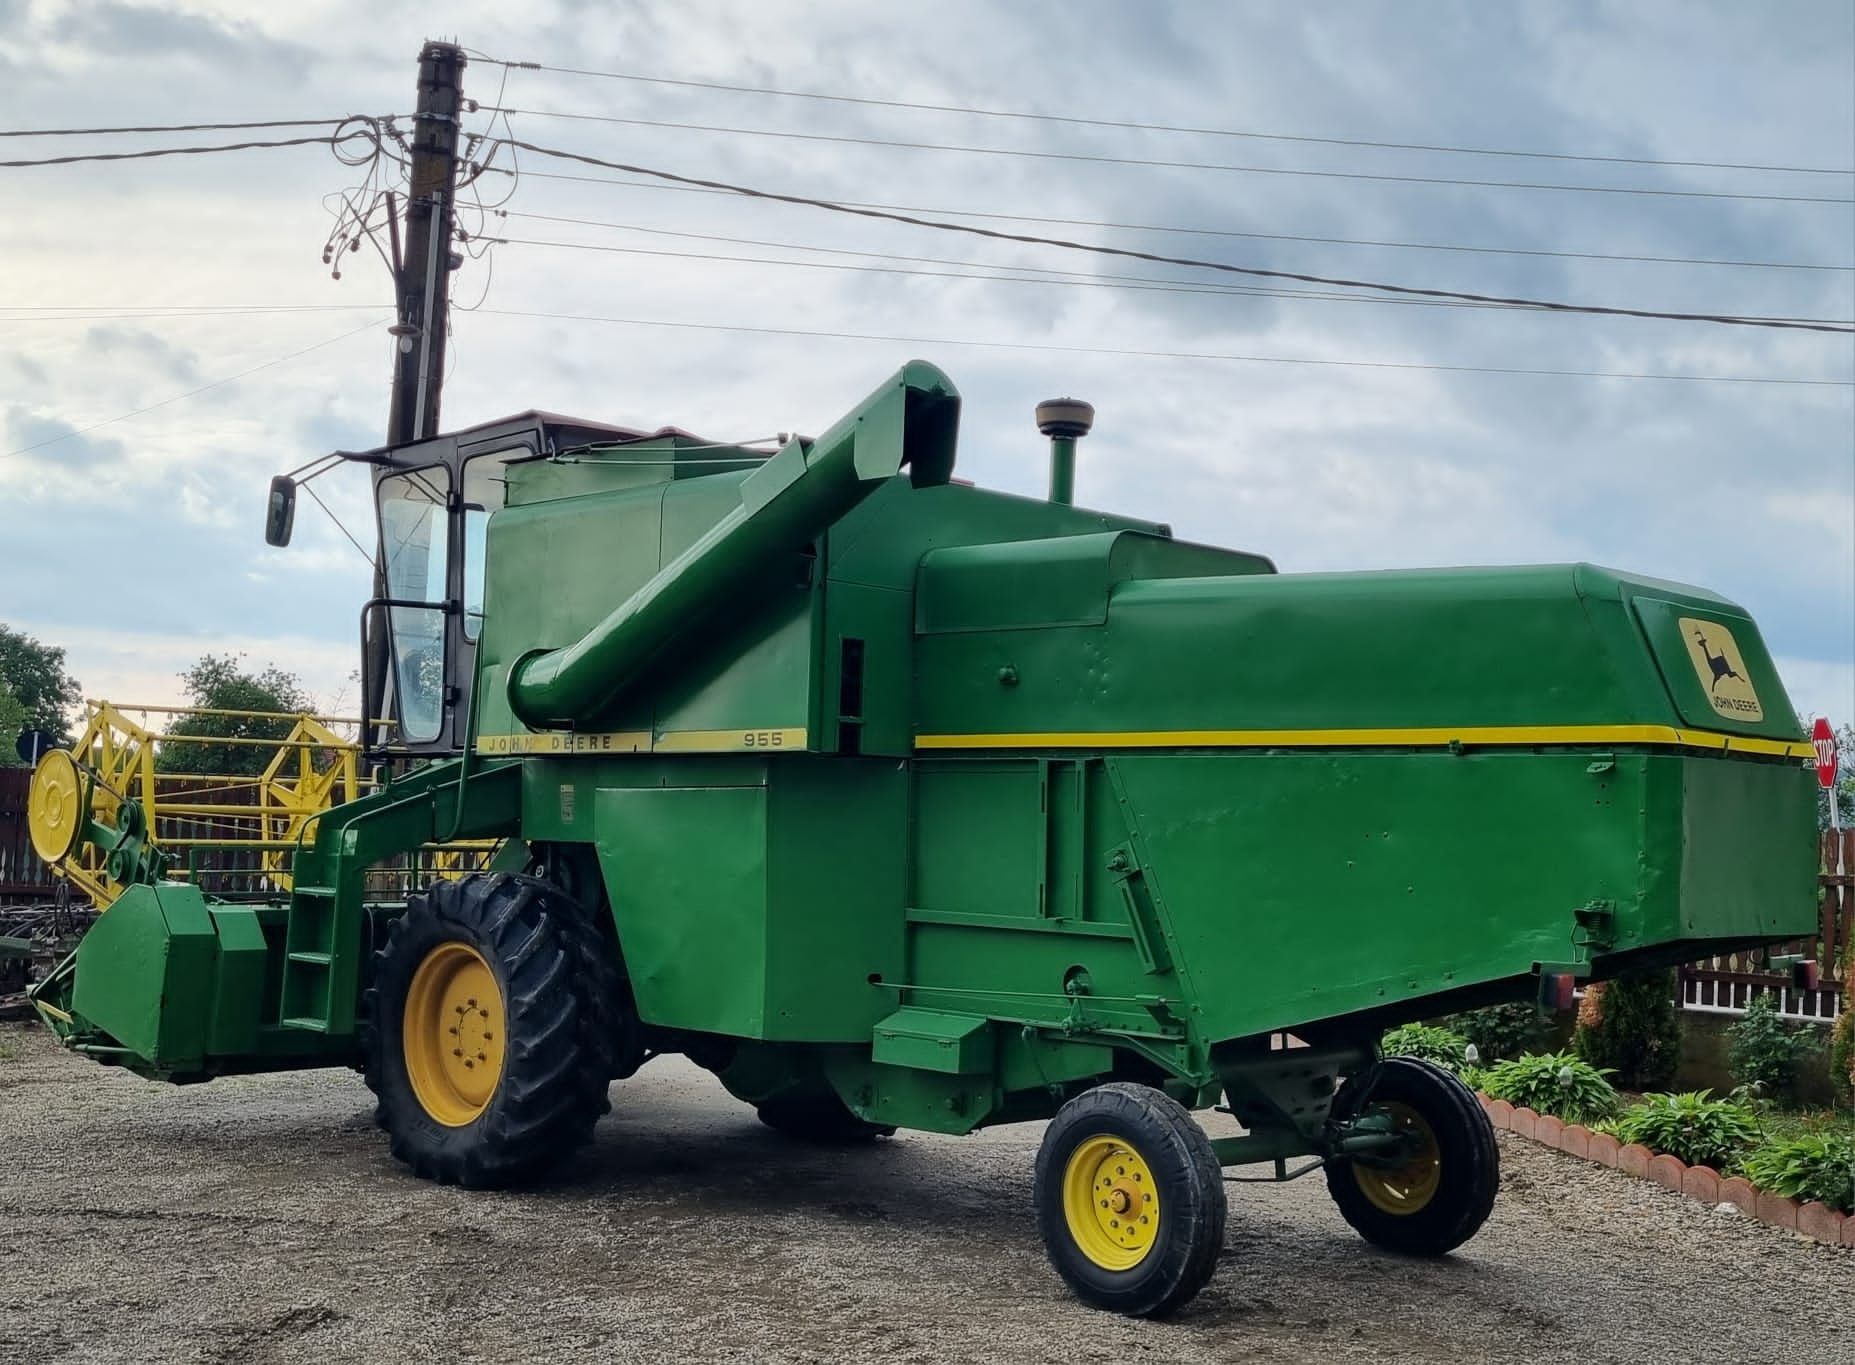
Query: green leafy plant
point(1763, 1051)
point(1695, 1127)
point(1842, 1038)
point(1426, 1041)
point(1632, 1028)
point(1553, 1083)
point(1500, 1032)
point(1817, 1166)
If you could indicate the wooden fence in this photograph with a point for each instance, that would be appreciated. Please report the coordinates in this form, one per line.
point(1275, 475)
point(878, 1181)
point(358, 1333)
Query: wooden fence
point(24, 880)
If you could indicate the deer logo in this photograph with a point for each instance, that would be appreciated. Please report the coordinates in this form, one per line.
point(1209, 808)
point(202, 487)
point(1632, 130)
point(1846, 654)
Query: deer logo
point(1721, 667)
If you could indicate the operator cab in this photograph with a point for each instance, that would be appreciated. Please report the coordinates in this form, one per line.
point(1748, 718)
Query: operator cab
point(433, 500)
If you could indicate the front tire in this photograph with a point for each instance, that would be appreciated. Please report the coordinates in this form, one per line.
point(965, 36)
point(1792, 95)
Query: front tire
point(1130, 1200)
point(1440, 1193)
point(474, 1038)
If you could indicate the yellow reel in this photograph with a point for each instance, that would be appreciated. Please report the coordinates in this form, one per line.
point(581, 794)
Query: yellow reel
point(55, 813)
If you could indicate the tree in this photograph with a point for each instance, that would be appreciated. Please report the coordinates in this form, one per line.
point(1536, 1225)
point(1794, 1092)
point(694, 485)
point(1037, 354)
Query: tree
point(13, 719)
point(34, 675)
point(1631, 1025)
point(219, 683)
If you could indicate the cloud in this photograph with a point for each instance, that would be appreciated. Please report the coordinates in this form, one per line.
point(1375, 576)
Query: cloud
point(48, 447)
point(115, 343)
point(111, 29)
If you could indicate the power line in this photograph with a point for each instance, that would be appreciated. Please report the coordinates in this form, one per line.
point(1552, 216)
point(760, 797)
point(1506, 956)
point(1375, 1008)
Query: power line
point(1094, 158)
point(132, 312)
point(1163, 355)
point(1148, 282)
point(1232, 232)
point(325, 141)
point(190, 393)
point(1132, 254)
point(1164, 127)
point(1070, 279)
point(173, 128)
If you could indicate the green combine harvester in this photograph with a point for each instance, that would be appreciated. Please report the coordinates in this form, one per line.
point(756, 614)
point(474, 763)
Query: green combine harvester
point(900, 803)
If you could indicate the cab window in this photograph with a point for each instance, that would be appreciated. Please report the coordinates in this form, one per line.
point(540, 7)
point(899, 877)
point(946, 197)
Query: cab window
point(485, 485)
point(415, 536)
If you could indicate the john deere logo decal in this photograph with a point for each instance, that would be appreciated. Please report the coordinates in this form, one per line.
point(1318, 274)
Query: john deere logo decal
point(1722, 671)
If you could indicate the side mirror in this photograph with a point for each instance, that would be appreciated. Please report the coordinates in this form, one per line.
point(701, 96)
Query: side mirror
point(280, 511)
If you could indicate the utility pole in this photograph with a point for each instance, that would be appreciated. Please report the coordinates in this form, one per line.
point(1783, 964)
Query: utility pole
point(422, 290)
point(424, 272)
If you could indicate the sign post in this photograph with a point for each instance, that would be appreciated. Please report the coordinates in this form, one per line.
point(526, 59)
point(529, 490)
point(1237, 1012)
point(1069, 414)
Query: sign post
point(1823, 739)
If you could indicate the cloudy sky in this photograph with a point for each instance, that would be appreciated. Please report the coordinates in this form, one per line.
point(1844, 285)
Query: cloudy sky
point(136, 543)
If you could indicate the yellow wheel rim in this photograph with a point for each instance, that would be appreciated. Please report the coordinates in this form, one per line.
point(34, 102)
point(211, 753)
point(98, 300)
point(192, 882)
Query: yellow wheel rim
point(452, 1034)
point(55, 806)
point(1409, 1186)
point(1111, 1202)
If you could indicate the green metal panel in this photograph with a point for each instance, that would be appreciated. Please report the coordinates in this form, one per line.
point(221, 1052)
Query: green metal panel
point(1057, 581)
point(1748, 848)
point(238, 991)
point(686, 869)
point(933, 1040)
point(764, 911)
point(837, 844)
point(145, 974)
point(1432, 648)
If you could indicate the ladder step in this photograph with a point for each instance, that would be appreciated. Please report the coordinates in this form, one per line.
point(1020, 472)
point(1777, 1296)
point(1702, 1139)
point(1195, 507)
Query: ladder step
point(308, 1025)
point(322, 891)
point(312, 959)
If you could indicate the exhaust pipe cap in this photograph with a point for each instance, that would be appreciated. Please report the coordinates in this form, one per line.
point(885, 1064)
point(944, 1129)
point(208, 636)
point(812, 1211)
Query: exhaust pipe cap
point(1065, 417)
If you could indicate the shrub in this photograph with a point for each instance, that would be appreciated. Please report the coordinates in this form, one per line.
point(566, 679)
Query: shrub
point(1428, 1042)
point(1842, 1039)
point(1809, 1166)
point(1763, 1051)
point(1500, 1032)
point(1637, 1032)
point(1698, 1129)
point(1553, 1083)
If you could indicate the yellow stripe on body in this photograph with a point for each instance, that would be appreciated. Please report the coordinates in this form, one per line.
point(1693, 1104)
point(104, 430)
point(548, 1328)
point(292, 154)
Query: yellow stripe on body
point(614, 742)
point(1424, 737)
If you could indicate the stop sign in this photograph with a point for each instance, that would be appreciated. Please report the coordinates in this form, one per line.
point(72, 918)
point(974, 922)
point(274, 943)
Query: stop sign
point(1824, 740)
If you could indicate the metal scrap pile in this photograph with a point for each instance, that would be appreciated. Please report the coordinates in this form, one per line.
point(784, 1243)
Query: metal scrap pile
point(33, 939)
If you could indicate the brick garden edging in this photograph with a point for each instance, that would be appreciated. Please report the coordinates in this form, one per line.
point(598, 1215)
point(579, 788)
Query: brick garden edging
point(1702, 1183)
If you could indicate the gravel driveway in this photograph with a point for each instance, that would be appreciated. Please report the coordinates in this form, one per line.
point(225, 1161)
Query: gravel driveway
point(260, 1219)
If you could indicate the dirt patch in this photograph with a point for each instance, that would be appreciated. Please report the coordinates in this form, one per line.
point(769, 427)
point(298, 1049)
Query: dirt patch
point(260, 1219)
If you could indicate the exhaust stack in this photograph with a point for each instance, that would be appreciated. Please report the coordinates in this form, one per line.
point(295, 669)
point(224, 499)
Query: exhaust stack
point(1065, 421)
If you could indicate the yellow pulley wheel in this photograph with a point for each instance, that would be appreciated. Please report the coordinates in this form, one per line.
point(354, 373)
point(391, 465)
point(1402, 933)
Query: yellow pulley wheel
point(55, 806)
point(452, 1034)
point(1111, 1202)
point(1409, 1186)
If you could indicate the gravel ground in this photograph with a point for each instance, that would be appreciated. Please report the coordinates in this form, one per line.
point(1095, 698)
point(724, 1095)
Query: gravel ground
point(260, 1219)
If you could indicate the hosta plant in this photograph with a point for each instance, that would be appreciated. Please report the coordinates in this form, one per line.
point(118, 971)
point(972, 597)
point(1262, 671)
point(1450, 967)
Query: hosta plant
point(1809, 1166)
point(1695, 1127)
point(1431, 1044)
point(1553, 1083)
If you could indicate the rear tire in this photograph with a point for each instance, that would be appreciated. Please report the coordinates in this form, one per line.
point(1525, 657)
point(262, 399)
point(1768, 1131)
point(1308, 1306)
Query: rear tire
point(1130, 1200)
point(476, 1034)
point(820, 1118)
point(1438, 1198)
